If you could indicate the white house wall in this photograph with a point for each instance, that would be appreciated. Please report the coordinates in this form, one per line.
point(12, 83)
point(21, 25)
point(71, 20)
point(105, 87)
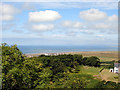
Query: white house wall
point(115, 70)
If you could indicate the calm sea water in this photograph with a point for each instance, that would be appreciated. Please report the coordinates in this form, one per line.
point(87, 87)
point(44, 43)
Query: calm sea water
point(59, 49)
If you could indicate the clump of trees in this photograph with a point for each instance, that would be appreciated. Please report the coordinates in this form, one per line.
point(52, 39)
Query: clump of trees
point(70, 60)
point(91, 61)
point(20, 72)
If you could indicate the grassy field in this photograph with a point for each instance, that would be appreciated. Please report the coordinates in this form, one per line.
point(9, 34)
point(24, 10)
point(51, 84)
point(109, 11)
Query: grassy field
point(103, 55)
point(88, 74)
point(104, 75)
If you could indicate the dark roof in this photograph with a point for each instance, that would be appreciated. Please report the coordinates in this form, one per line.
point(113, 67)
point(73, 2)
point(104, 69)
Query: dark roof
point(116, 64)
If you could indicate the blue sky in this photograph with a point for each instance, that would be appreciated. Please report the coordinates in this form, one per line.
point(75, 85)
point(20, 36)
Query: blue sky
point(60, 23)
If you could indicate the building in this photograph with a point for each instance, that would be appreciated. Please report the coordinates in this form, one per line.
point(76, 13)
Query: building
point(46, 54)
point(116, 68)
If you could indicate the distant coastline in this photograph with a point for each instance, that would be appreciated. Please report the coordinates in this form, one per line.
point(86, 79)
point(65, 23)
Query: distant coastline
point(63, 49)
point(112, 54)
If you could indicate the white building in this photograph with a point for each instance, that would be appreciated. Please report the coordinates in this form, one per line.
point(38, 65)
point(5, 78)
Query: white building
point(46, 54)
point(116, 68)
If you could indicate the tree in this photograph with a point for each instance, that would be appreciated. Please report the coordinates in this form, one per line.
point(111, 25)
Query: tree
point(12, 62)
point(78, 58)
point(21, 72)
point(92, 61)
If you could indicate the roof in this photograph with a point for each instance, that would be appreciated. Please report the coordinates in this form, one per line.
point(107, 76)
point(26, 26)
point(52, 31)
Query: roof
point(116, 64)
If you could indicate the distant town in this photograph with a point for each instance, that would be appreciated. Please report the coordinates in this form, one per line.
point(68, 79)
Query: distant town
point(46, 54)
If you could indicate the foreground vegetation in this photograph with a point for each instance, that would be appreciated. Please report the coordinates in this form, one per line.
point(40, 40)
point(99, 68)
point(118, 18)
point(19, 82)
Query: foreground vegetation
point(61, 71)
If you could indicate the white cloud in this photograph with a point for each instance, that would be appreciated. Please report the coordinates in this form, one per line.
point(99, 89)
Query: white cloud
point(43, 27)
point(102, 26)
point(98, 21)
point(107, 25)
point(72, 24)
point(44, 16)
point(92, 15)
point(8, 12)
point(6, 17)
point(113, 18)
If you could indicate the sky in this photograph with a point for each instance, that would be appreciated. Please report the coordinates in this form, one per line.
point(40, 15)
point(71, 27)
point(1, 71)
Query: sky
point(60, 23)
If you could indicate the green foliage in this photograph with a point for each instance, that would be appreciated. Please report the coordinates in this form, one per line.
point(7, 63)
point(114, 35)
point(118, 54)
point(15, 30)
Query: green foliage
point(108, 84)
point(92, 61)
point(11, 57)
point(78, 58)
point(12, 61)
point(61, 71)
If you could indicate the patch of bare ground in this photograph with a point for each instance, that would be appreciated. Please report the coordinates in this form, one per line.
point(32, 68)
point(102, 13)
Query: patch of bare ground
point(108, 76)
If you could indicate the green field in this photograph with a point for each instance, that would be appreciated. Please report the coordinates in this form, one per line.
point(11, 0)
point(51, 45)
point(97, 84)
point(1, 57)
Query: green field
point(104, 75)
point(87, 73)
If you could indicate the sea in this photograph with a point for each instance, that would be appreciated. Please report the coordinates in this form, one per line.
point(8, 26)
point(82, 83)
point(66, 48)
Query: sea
point(61, 49)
